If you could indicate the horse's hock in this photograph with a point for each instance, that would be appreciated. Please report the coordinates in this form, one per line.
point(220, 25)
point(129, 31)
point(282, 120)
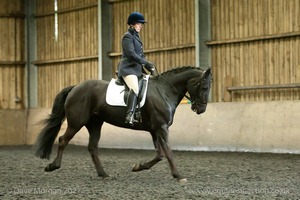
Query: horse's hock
point(249, 126)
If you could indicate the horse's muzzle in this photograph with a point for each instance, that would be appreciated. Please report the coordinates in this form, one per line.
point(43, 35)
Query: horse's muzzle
point(199, 108)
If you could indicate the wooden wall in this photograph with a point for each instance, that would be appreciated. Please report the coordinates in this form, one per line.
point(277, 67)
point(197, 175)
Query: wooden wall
point(169, 39)
point(12, 54)
point(256, 42)
point(169, 35)
point(67, 53)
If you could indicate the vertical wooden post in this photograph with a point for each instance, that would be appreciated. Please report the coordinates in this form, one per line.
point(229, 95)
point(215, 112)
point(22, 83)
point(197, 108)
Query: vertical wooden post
point(226, 94)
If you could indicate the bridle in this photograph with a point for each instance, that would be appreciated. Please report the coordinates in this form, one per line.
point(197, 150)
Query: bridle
point(193, 101)
point(186, 96)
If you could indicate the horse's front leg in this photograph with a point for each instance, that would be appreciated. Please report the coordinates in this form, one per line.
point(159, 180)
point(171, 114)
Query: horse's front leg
point(148, 165)
point(162, 135)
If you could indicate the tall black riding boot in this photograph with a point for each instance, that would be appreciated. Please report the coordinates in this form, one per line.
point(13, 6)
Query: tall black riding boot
point(131, 106)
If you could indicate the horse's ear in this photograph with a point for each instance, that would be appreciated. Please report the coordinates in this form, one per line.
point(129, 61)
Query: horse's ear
point(206, 73)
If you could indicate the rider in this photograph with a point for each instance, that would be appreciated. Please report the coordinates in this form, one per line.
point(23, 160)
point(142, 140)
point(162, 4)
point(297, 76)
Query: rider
point(132, 62)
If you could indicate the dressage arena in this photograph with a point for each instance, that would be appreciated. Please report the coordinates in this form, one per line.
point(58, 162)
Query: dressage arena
point(210, 175)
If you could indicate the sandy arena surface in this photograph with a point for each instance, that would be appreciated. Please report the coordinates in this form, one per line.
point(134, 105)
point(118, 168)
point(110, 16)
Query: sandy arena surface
point(210, 175)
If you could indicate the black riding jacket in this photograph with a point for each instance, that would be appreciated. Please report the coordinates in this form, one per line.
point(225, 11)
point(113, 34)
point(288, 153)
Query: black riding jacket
point(132, 54)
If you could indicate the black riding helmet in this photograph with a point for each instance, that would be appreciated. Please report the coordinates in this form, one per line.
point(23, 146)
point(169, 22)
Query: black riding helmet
point(136, 17)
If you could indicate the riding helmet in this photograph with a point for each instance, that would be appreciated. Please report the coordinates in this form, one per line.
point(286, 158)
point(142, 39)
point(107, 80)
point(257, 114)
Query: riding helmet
point(135, 17)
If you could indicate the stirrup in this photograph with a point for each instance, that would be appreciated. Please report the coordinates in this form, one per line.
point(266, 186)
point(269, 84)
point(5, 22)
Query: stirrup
point(130, 119)
point(138, 116)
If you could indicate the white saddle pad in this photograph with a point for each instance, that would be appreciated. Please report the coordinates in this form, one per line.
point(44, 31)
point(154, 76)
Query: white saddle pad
point(115, 94)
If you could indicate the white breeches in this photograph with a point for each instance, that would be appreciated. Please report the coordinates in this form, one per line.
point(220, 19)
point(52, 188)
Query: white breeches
point(132, 83)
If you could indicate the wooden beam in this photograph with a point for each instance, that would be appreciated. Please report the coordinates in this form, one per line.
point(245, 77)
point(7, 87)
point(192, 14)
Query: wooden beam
point(116, 1)
point(113, 54)
point(44, 62)
point(81, 7)
point(250, 39)
point(259, 87)
point(12, 63)
point(12, 15)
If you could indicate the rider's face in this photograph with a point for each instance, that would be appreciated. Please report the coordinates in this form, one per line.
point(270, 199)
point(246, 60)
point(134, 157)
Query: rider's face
point(138, 27)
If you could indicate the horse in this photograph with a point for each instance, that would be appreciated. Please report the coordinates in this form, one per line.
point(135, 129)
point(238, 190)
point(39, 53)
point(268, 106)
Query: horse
point(85, 105)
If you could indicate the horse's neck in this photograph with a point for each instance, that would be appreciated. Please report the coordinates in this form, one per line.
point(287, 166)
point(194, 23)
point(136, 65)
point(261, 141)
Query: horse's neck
point(178, 84)
point(180, 80)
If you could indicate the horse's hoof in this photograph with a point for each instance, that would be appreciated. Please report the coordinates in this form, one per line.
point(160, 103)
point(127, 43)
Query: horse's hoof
point(182, 180)
point(104, 176)
point(47, 168)
point(135, 168)
point(51, 167)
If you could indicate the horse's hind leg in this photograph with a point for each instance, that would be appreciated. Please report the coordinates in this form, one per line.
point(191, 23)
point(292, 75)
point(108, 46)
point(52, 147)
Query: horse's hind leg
point(94, 129)
point(63, 142)
point(159, 156)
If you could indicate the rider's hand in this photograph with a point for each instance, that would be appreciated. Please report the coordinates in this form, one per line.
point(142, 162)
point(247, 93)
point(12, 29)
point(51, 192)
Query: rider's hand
point(149, 66)
point(153, 71)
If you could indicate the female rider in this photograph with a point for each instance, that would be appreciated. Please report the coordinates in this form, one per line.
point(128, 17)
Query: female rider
point(132, 62)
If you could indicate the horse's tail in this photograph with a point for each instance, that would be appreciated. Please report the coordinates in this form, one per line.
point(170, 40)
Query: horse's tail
point(46, 138)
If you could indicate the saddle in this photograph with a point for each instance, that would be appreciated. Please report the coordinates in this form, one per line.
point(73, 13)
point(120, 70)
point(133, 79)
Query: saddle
point(117, 92)
point(142, 86)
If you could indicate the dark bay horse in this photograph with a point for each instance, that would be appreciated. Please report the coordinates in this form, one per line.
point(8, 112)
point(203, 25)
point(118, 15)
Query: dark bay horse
point(85, 105)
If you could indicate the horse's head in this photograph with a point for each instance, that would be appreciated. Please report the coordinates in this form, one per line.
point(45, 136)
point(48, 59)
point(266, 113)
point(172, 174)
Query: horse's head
point(199, 88)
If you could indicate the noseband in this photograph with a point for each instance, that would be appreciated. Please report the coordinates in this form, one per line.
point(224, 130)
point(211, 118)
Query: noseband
point(197, 101)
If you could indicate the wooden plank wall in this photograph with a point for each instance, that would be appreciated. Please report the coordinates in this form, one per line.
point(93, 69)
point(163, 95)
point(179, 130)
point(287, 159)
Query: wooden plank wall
point(256, 42)
point(169, 35)
point(12, 54)
point(72, 56)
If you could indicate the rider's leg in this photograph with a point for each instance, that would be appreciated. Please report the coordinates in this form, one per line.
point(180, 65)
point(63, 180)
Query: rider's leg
point(132, 83)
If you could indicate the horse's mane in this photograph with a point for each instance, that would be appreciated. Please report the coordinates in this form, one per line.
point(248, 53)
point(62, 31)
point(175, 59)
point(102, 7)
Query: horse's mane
point(179, 69)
